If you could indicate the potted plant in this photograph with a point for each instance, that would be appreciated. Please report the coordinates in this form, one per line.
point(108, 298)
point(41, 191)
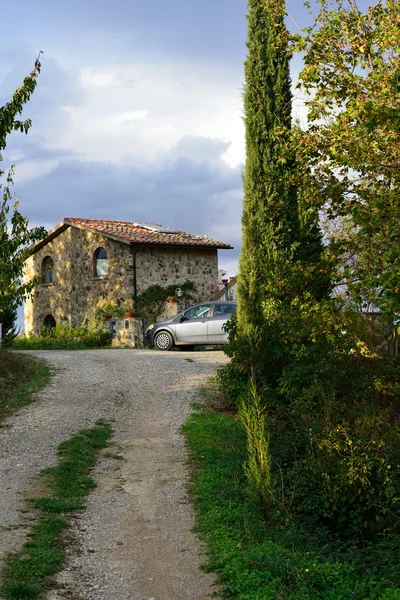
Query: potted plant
point(118, 311)
point(107, 311)
point(130, 312)
point(171, 300)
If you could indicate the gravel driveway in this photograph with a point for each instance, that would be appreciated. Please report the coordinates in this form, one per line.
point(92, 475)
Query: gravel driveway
point(134, 542)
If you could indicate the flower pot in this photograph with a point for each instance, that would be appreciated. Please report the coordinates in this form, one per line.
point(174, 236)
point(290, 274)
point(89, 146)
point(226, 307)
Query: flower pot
point(171, 300)
point(130, 314)
point(108, 317)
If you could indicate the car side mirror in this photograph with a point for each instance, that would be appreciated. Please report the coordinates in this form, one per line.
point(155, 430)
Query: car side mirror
point(181, 319)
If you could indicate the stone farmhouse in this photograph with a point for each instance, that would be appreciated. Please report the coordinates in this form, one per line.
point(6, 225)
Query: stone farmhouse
point(86, 263)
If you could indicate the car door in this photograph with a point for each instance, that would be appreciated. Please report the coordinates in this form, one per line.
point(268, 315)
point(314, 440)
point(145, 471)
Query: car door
point(221, 313)
point(193, 328)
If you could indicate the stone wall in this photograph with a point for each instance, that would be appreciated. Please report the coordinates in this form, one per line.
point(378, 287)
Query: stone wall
point(163, 265)
point(76, 290)
point(129, 333)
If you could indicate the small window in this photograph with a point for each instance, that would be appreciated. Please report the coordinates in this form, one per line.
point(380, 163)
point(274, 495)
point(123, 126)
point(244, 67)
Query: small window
point(47, 270)
point(100, 263)
point(49, 322)
point(198, 312)
point(224, 309)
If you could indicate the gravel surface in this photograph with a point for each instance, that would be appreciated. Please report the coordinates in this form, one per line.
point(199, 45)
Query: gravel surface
point(134, 541)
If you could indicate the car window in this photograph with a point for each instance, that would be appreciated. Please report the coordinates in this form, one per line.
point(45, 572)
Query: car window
point(224, 309)
point(198, 312)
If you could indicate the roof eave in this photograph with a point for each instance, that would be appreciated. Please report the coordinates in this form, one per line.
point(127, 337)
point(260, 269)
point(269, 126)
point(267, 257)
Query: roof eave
point(150, 243)
point(202, 246)
point(53, 233)
point(102, 233)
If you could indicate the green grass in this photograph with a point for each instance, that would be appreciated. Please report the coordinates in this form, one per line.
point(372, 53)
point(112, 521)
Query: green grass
point(21, 377)
point(272, 558)
point(40, 343)
point(26, 574)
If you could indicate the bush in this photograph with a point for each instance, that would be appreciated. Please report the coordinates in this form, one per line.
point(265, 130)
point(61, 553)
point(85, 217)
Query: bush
point(151, 302)
point(274, 558)
point(234, 376)
point(234, 382)
point(64, 337)
point(336, 445)
point(333, 418)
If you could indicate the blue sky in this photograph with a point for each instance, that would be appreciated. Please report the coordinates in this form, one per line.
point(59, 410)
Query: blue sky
point(138, 111)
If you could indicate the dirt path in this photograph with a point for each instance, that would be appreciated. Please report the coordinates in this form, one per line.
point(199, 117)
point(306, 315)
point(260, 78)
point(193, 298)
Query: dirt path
point(134, 542)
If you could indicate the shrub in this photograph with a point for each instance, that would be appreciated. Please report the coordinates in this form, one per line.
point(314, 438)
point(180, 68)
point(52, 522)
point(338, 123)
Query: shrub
point(64, 337)
point(257, 468)
point(336, 442)
point(151, 302)
point(234, 376)
point(333, 419)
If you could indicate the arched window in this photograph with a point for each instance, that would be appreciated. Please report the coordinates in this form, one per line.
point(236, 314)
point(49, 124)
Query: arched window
point(100, 262)
point(47, 270)
point(49, 322)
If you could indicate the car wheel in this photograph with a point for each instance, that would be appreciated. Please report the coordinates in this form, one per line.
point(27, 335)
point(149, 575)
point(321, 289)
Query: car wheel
point(163, 340)
point(187, 348)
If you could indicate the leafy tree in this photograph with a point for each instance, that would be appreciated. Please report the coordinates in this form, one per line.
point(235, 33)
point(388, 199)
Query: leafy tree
point(15, 235)
point(8, 317)
point(350, 154)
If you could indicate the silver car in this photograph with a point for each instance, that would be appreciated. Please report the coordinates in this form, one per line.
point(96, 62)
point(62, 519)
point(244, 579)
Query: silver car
point(199, 325)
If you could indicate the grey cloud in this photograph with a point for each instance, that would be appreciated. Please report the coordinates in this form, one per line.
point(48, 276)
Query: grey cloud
point(56, 87)
point(151, 28)
point(200, 148)
point(201, 196)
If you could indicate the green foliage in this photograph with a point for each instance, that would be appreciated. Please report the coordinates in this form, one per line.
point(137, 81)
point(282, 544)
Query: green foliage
point(14, 107)
point(258, 465)
point(332, 408)
point(116, 310)
point(93, 320)
point(282, 243)
point(258, 559)
point(26, 574)
point(349, 156)
point(234, 376)
point(333, 418)
point(64, 337)
point(20, 590)
point(151, 302)
point(270, 222)
point(336, 441)
point(15, 236)
point(21, 376)
point(8, 317)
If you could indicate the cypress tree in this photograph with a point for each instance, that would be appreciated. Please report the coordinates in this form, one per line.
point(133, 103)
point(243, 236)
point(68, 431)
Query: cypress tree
point(270, 223)
point(282, 244)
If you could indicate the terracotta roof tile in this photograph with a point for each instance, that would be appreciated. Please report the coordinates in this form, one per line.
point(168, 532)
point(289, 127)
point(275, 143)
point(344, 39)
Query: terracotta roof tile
point(141, 233)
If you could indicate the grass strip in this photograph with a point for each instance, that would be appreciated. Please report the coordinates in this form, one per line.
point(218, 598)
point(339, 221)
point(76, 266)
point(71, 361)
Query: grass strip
point(270, 559)
point(21, 377)
point(39, 343)
point(26, 574)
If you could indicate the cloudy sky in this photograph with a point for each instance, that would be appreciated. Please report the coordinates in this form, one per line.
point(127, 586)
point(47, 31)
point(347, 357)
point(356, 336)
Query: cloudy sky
point(137, 113)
